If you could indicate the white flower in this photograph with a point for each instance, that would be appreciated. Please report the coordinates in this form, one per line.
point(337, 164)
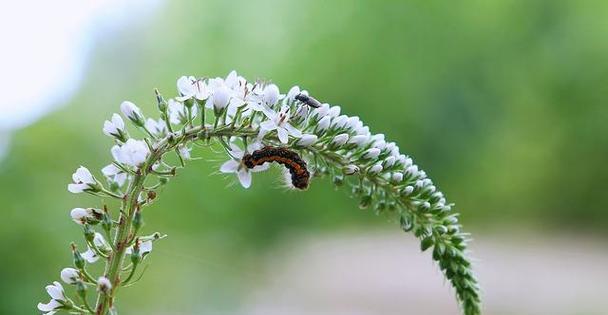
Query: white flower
point(307, 140)
point(178, 114)
point(184, 152)
point(271, 94)
point(90, 256)
point(82, 180)
point(133, 152)
point(236, 165)
point(339, 139)
point(57, 295)
point(323, 123)
point(279, 122)
point(70, 275)
point(104, 285)
point(144, 248)
point(156, 127)
point(82, 216)
point(115, 174)
point(371, 153)
point(190, 87)
point(132, 112)
point(115, 127)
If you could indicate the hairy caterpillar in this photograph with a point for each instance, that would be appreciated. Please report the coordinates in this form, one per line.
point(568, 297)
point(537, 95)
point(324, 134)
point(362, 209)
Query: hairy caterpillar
point(290, 159)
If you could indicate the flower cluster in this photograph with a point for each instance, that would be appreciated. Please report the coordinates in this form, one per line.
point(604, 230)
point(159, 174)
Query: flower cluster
point(242, 116)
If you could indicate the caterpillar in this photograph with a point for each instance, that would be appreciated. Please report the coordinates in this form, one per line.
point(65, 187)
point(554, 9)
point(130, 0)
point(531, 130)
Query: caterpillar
point(290, 159)
point(308, 100)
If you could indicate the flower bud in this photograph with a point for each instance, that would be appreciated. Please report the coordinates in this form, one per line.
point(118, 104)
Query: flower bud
point(132, 112)
point(221, 97)
point(307, 140)
point(389, 162)
point(377, 168)
point(339, 140)
point(115, 128)
point(271, 94)
point(138, 221)
point(160, 100)
point(338, 180)
point(408, 190)
point(359, 140)
point(106, 222)
point(104, 285)
point(70, 275)
point(81, 289)
point(397, 177)
point(339, 122)
point(334, 111)
point(350, 169)
point(371, 153)
point(89, 233)
point(406, 223)
point(78, 259)
point(366, 200)
point(323, 124)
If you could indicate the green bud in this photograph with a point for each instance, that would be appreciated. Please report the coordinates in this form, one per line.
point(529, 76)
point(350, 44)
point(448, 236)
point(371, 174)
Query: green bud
point(89, 233)
point(380, 206)
point(106, 222)
point(78, 260)
point(365, 201)
point(160, 100)
point(426, 243)
point(338, 180)
point(138, 221)
point(136, 254)
point(406, 223)
point(163, 180)
point(189, 102)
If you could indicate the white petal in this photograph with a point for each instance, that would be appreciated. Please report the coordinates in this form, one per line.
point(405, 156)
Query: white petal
point(77, 188)
point(282, 134)
point(55, 291)
point(83, 174)
point(49, 307)
point(244, 178)
point(90, 256)
point(145, 247)
point(268, 125)
point(230, 166)
point(293, 131)
point(261, 168)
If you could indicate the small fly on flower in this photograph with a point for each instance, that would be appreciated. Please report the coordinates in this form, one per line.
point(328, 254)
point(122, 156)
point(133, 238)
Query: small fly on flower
point(308, 100)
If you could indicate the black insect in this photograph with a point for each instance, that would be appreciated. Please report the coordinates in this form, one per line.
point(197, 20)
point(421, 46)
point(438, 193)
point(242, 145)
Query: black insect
point(308, 100)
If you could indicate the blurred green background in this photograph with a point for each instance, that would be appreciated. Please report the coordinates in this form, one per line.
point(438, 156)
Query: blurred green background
point(503, 103)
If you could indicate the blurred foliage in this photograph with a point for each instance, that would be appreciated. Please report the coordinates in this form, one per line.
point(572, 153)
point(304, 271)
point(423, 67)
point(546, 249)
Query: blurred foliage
point(502, 102)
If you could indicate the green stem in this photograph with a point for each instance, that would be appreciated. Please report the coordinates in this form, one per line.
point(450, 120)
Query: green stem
point(130, 204)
